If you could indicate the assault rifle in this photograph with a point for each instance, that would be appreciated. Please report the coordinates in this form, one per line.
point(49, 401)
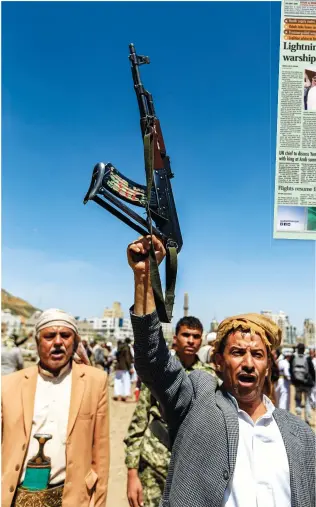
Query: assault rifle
point(109, 187)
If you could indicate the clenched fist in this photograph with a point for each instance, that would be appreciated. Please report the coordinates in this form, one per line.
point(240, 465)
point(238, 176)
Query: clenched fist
point(138, 251)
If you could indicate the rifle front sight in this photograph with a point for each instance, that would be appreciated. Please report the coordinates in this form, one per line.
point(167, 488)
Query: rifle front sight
point(137, 59)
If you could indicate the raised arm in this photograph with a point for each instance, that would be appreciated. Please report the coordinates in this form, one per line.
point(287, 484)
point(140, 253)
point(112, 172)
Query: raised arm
point(159, 371)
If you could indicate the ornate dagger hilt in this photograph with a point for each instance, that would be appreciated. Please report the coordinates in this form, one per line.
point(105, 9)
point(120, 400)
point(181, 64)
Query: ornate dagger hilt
point(38, 467)
point(40, 460)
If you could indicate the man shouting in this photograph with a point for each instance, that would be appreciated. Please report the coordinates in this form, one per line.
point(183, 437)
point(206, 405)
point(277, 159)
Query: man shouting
point(66, 401)
point(231, 446)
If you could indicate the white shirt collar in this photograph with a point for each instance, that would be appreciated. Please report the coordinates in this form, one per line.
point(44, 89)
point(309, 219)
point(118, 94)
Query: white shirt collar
point(266, 401)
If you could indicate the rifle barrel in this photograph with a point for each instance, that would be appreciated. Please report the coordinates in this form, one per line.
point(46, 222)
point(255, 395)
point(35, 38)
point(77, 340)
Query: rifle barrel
point(144, 99)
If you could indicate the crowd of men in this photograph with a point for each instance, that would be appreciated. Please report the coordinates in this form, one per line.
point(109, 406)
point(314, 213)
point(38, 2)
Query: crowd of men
point(119, 359)
point(298, 369)
point(211, 427)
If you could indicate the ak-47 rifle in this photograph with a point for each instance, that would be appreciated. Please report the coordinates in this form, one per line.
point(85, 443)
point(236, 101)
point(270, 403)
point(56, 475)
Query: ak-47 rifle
point(156, 197)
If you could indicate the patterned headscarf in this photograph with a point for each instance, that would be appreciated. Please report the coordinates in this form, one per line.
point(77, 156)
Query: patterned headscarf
point(254, 323)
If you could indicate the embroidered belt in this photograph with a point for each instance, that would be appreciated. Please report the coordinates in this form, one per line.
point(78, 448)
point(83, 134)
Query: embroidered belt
point(51, 497)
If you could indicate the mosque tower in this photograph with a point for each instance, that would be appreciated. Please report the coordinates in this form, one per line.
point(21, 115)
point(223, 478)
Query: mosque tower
point(186, 305)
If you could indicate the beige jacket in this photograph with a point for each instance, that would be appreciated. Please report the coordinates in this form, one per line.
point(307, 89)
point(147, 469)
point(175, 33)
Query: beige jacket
point(87, 445)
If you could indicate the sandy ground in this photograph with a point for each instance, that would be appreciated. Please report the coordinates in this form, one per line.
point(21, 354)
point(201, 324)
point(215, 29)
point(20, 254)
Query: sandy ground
point(120, 416)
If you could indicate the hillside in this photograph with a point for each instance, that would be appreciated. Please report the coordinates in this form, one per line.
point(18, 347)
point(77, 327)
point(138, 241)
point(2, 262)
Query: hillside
point(17, 305)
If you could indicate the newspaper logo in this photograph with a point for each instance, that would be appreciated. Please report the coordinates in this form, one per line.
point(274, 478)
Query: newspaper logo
point(291, 218)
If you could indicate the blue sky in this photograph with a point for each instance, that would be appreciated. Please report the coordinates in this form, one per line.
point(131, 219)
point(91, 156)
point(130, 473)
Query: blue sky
point(68, 102)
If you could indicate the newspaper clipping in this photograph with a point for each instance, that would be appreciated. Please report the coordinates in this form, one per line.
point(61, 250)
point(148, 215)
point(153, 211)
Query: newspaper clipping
point(295, 182)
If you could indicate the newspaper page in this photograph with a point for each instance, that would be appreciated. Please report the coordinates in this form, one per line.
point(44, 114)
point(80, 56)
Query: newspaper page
point(295, 181)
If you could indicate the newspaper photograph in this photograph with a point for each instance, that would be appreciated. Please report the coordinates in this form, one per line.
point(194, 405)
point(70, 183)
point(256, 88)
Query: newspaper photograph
point(295, 179)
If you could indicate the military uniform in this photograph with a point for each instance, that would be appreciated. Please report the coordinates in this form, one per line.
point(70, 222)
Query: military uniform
point(147, 443)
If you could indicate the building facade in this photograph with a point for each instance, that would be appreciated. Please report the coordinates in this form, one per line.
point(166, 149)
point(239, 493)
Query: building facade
point(114, 312)
point(111, 328)
point(309, 333)
point(85, 330)
point(289, 332)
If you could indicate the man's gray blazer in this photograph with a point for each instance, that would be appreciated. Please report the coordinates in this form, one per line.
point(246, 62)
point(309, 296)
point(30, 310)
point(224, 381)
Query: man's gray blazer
point(204, 425)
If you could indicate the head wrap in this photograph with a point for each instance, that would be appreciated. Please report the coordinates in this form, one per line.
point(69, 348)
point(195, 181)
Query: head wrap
point(254, 323)
point(211, 337)
point(55, 317)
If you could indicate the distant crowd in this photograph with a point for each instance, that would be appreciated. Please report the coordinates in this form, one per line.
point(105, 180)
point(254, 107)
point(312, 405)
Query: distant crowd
point(296, 368)
point(290, 366)
point(119, 359)
point(147, 441)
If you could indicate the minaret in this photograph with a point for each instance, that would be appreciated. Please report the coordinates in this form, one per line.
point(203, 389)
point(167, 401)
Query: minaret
point(186, 305)
point(214, 326)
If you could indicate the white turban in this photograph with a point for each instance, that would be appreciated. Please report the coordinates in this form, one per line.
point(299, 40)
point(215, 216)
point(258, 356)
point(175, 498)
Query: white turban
point(211, 337)
point(56, 317)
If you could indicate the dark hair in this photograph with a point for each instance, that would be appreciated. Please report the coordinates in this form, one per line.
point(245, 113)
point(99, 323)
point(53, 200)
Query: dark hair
point(300, 348)
point(128, 340)
point(222, 344)
point(274, 369)
point(190, 322)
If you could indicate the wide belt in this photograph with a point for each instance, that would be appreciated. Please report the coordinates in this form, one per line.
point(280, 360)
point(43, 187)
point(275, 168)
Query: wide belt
point(50, 497)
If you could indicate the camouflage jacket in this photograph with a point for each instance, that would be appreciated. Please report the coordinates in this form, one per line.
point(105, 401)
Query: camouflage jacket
point(140, 441)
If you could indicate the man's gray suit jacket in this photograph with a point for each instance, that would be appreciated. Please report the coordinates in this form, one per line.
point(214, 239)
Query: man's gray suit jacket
point(203, 423)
